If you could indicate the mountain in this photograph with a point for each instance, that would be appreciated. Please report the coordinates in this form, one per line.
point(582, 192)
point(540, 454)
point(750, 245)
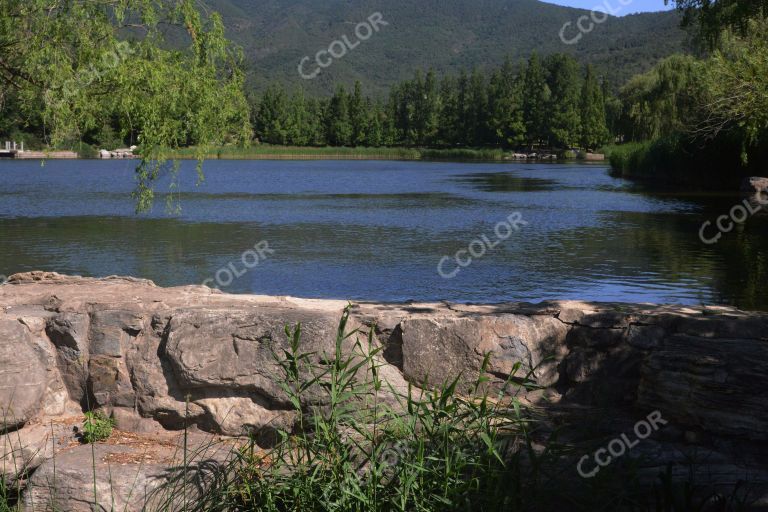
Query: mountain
point(446, 35)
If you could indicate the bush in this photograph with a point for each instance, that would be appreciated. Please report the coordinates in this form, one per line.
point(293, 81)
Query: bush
point(97, 427)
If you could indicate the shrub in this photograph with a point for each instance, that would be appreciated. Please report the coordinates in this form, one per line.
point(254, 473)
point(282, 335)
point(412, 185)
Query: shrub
point(97, 427)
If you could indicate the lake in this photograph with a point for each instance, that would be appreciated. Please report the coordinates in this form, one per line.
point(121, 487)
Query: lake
point(378, 230)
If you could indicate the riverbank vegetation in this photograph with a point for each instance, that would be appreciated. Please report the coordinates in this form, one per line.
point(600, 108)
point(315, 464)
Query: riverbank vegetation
point(701, 121)
point(278, 152)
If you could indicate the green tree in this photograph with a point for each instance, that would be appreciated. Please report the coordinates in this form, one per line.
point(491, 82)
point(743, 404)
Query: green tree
point(426, 99)
point(505, 107)
point(536, 96)
point(69, 62)
point(663, 101)
point(338, 121)
point(376, 121)
point(735, 89)
point(476, 110)
point(272, 119)
point(316, 128)
point(594, 131)
point(449, 116)
point(358, 116)
point(564, 82)
point(298, 120)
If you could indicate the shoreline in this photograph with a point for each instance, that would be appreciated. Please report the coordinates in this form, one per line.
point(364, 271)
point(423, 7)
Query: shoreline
point(273, 152)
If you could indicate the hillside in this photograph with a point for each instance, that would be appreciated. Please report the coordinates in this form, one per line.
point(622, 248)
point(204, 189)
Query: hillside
point(444, 34)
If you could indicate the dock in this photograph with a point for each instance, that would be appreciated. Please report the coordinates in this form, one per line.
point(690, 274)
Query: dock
point(17, 151)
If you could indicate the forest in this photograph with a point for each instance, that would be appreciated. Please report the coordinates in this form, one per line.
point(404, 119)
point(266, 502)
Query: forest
point(551, 102)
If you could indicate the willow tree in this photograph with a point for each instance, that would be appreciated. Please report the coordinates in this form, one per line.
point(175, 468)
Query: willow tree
point(710, 17)
point(736, 87)
point(162, 69)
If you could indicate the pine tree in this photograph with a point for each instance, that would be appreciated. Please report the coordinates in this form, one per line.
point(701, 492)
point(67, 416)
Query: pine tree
point(463, 122)
point(272, 118)
point(338, 122)
point(358, 115)
point(316, 128)
point(505, 107)
point(536, 96)
point(296, 126)
point(477, 106)
point(432, 106)
point(375, 134)
point(594, 131)
point(564, 82)
point(449, 116)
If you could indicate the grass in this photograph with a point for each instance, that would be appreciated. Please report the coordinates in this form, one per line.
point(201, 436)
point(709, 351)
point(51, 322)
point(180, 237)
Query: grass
point(628, 159)
point(270, 152)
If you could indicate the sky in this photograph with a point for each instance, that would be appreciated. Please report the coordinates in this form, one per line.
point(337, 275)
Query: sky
point(632, 6)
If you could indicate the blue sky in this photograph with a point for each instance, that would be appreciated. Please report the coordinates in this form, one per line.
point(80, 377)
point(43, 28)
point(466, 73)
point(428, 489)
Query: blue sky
point(631, 7)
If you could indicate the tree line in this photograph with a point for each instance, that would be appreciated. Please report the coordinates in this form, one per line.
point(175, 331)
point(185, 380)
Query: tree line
point(552, 102)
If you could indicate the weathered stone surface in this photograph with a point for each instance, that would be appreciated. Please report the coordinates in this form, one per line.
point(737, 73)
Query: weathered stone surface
point(220, 350)
point(21, 452)
point(69, 334)
point(237, 416)
point(23, 376)
point(131, 472)
point(645, 337)
point(718, 384)
point(436, 350)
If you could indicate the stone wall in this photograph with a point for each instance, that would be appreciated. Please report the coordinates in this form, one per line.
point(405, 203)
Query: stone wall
point(158, 359)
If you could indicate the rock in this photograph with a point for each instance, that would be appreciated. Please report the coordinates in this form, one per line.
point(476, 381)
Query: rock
point(21, 452)
point(436, 350)
point(216, 350)
point(164, 359)
point(133, 475)
point(606, 378)
point(715, 384)
point(23, 376)
point(243, 416)
point(129, 420)
point(645, 337)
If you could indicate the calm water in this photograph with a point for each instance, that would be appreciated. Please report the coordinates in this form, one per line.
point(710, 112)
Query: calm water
point(377, 231)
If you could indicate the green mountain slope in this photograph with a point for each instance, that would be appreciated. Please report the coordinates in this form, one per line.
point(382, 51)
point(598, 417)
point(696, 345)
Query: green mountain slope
point(446, 35)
